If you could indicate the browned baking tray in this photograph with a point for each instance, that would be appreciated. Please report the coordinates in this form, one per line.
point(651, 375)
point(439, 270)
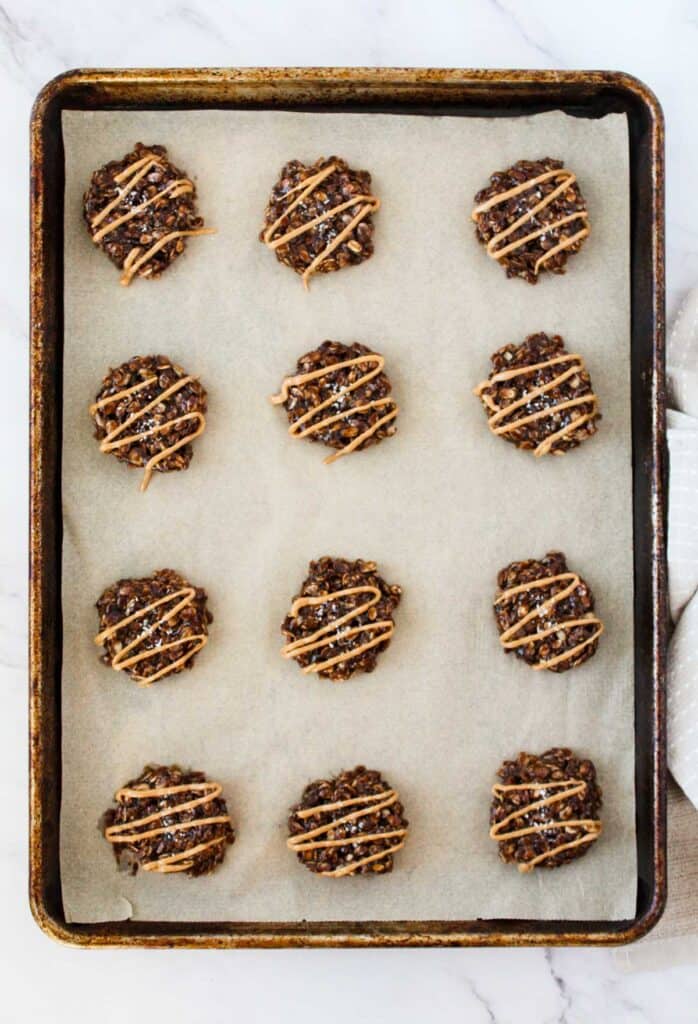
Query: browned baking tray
point(457, 92)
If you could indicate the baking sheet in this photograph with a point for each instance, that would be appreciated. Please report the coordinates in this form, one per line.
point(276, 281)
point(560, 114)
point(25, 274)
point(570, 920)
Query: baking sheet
point(441, 507)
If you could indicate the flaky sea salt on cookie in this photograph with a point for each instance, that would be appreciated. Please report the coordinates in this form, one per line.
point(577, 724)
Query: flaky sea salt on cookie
point(539, 397)
point(341, 620)
point(339, 396)
point(147, 413)
point(319, 217)
point(140, 211)
point(152, 627)
point(545, 809)
point(352, 824)
point(169, 821)
point(531, 218)
point(545, 613)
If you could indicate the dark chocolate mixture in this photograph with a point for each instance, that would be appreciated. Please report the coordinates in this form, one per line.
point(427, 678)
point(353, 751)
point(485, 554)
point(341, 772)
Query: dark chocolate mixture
point(541, 623)
point(358, 837)
point(150, 211)
point(169, 821)
point(169, 625)
point(338, 239)
point(337, 634)
point(349, 408)
point(542, 241)
point(552, 406)
point(147, 412)
point(567, 820)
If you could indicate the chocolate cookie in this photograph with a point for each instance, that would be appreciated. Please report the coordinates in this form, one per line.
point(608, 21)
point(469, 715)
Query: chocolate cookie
point(152, 627)
point(168, 820)
point(545, 613)
point(341, 620)
point(139, 211)
point(545, 811)
point(147, 413)
point(531, 218)
point(349, 825)
point(319, 218)
point(340, 397)
point(539, 397)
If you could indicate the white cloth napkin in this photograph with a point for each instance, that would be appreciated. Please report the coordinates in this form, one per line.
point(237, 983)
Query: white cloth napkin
point(675, 939)
point(682, 371)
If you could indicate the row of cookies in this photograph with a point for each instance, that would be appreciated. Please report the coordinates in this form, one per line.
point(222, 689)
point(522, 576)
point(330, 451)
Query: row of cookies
point(141, 209)
point(538, 396)
point(171, 821)
point(343, 619)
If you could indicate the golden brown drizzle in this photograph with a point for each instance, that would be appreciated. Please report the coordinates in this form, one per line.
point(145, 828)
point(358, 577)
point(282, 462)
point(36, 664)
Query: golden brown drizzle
point(296, 428)
point(503, 412)
point(368, 804)
point(120, 661)
point(126, 832)
point(137, 170)
point(133, 264)
point(509, 639)
point(319, 638)
point(110, 444)
point(371, 204)
point(568, 179)
point(568, 788)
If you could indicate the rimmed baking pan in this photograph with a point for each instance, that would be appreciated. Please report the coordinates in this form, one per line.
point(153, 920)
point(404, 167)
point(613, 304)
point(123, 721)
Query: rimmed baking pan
point(453, 92)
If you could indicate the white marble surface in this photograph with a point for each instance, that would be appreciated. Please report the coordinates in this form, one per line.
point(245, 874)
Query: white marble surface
point(656, 41)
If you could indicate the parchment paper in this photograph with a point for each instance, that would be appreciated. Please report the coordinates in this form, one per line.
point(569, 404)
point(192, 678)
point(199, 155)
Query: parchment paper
point(441, 507)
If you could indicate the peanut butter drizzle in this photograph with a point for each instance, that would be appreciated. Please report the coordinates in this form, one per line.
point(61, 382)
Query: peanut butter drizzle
point(120, 661)
point(137, 170)
point(369, 804)
point(110, 444)
point(570, 788)
point(304, 645)
point(126, 832)
point(296, 428)
point(508, 638)
point(132, 265)
point(568, 179)
point(502, 412)
point(371, 205)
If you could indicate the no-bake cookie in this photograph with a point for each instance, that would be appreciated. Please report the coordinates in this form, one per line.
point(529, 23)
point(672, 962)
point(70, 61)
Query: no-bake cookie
point(140, 210)
point(152, 627)
point(538, 396)
point(545, 613)
point(340, 397)
point(169, 820)
point(341, 620)
point(545, 810)
point(147, 413)
point(349, 825)
point(319, 217)
point(531, 218)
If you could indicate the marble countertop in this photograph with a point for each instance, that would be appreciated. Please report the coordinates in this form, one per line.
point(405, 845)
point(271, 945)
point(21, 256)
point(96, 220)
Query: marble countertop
point(38, 39)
